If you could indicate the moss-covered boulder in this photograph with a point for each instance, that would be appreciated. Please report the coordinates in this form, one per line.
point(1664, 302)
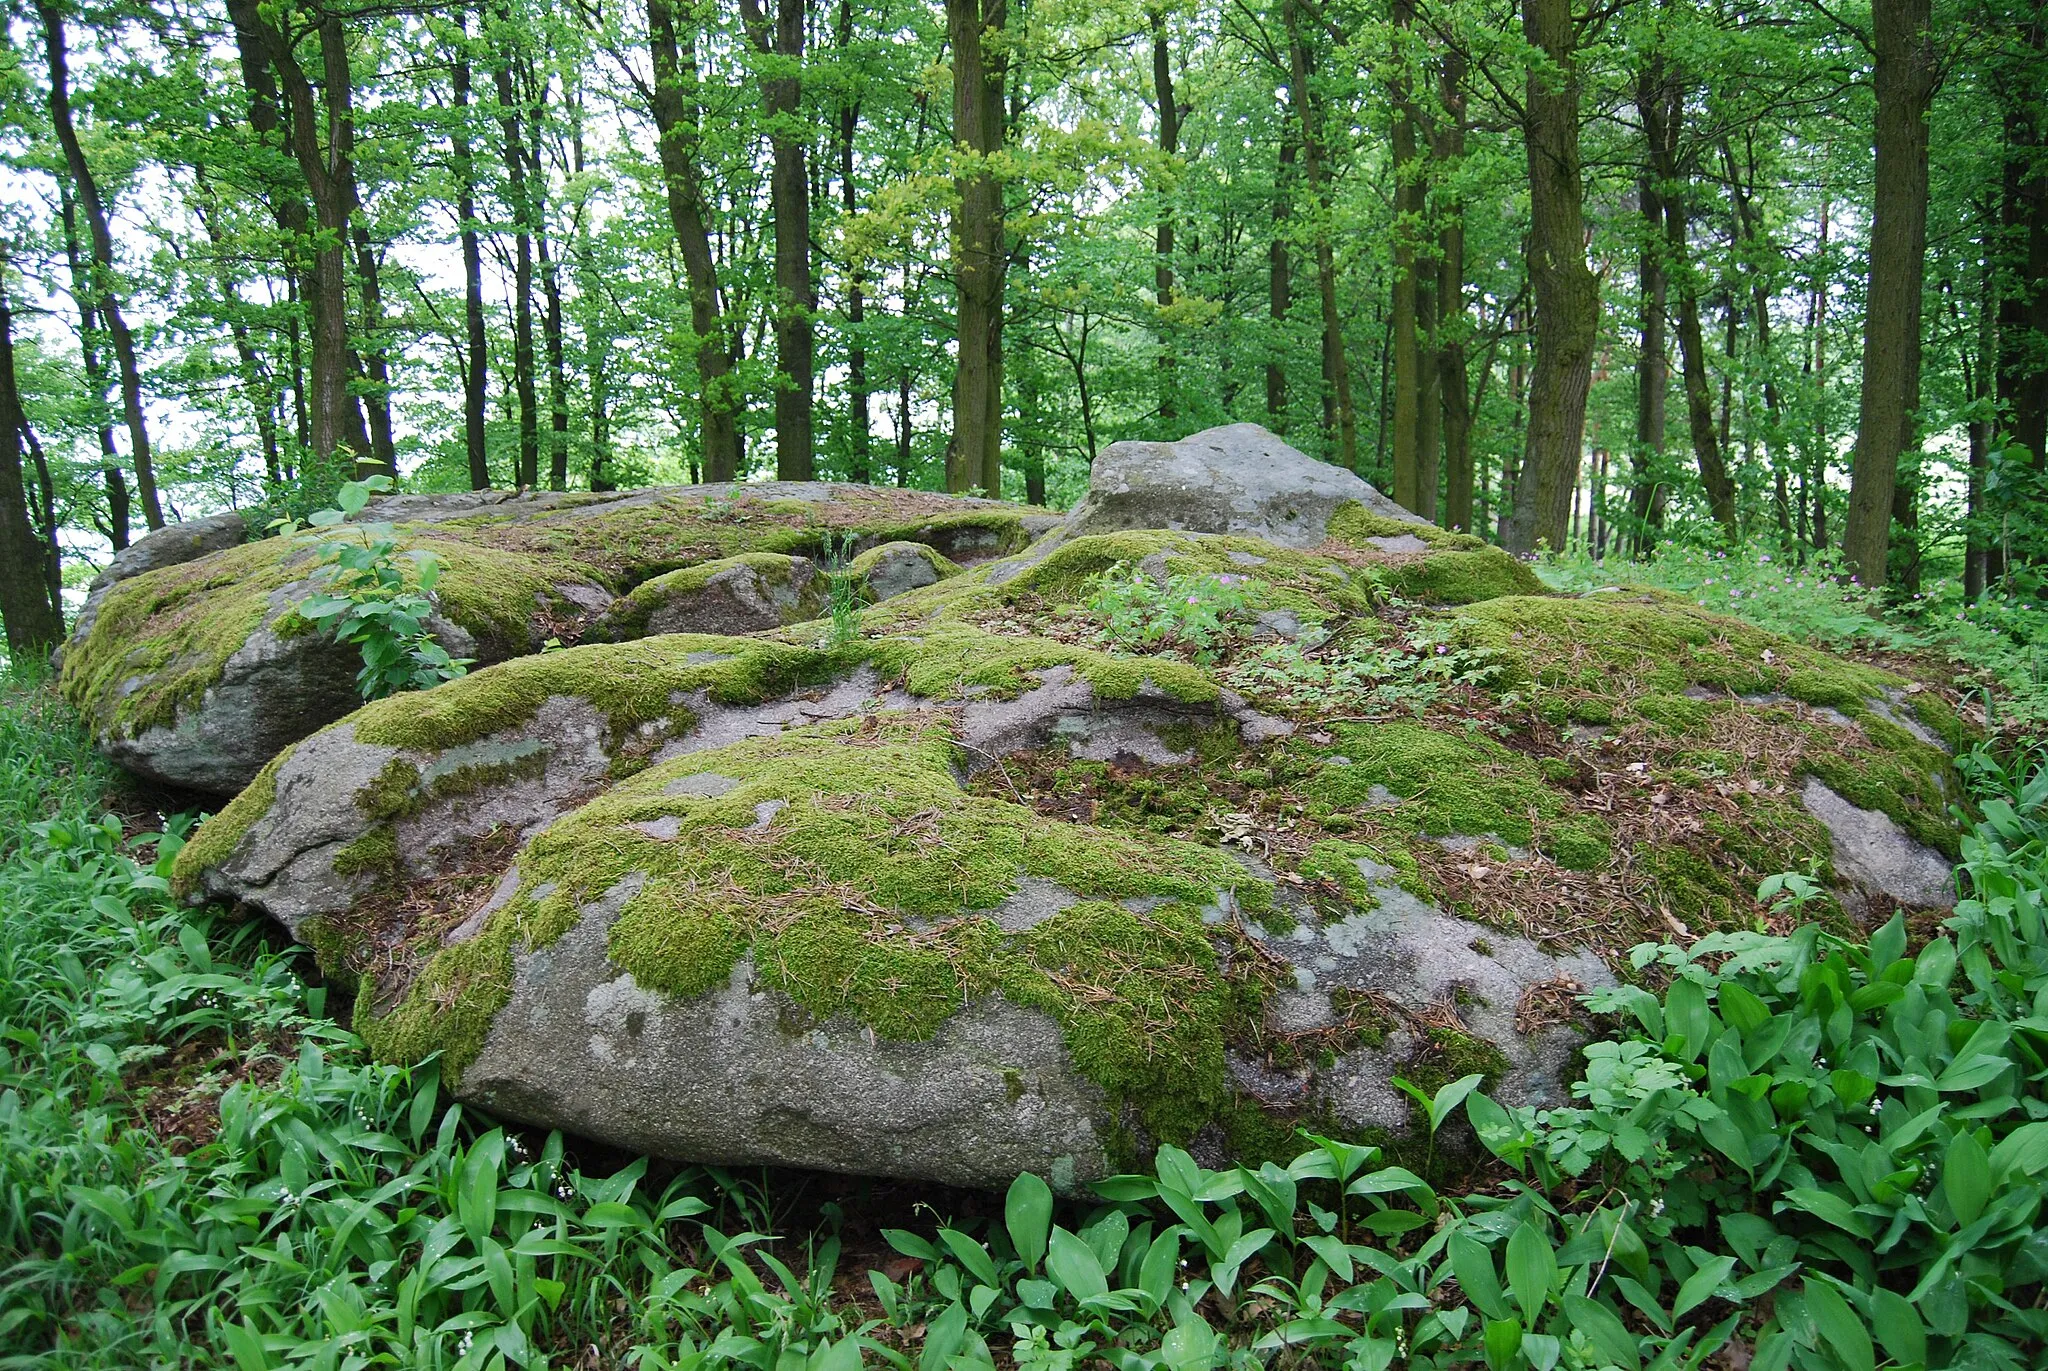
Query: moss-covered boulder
point(1118, 838)
point(193, 667)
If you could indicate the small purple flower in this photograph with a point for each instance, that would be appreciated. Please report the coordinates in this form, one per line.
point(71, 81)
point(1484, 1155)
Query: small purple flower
point(1765, 558)
point(1441, 649)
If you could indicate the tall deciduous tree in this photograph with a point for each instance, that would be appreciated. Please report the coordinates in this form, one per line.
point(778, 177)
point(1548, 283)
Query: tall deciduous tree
point(781, 50)
point(1567, 295)
point(32, 620)
point(980, 253)
point(1904, 78)
point(106, 302)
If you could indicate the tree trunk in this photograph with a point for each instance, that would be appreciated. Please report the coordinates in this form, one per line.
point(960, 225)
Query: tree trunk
point(974, 458)
point(34, 622)
point(263, 400)
point(1567, 298)
point(105, 303)
point(1653, 367)
point(1692, 348)
point(675, 119)
point(1162, 260)
point(374, 357)
point(83, 294)
point(527, 476)
point(558, 377)
point(790, 199)
point(1279, 280)
point(1340, 416)
point(1904, 79)
point(476, 366)
point(1404, 309)
point(2022, 363)
point(860, 437)
point(268, 62)
point(1452, 320)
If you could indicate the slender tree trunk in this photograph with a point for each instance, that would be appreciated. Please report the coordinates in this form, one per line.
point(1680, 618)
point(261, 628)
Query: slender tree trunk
point(676, 120)
point(2022, 361)
point(1279, 279)
point(1162, 259)
point(510, 120)
point(1904, 80)
point(860, 437)
point(1452, 319)
point(558, 376)
point(83, 295)
point(1404, 309)
point(34, 622)
point(904, 433)
point(1340, 416)
point(268, 62)
point(105, 303)
point(796, 302)
point(476, 366)
point(1979, 379)
point(1692, 349)
point(1567, 295)
point(979, 259)
point(374, 357)
point(262, 397)
point(1653, 374)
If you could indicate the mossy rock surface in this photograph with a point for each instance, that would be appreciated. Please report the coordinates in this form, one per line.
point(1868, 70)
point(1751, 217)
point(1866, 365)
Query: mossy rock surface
point(994, 885)
point(193, 667)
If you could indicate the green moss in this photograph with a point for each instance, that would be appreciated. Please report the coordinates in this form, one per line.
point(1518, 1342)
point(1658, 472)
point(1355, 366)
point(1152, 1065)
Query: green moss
point(1278, 578)
point(1677, 714)
point(628, 619)
point(1582, 844)
point(1446, 1055)
point(1463, 578)
point(1630, 646)
point(330, 947)
point(1336, 860)
point(1943, 722)
point(864, 565)
point(217, 838)
point(375, 853)
point(857, 897)
point(1356, 525)
point(629, 683)
point(392, 792)
point(1900, 776)
point(1451, 783)
point(948, 661)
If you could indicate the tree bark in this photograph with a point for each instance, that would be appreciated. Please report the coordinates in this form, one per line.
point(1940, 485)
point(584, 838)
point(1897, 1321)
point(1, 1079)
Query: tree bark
point(1567, 298)
point(860, 437)
point(105, 303)
point(796, 302)
point(263, 399)
point(1452, 320)
point(1404, 309)
point(1340, 416)
point(1162, 260)
point(476, 366)
point(83, 295)
point(974, 458)
point(1904, 79)
point(2022, 364)
point(34, 622)
point(676, 121)
point(1653, 367)
point(268, 63)
point(510, 107)
point(1279, 279)
point(374, 356)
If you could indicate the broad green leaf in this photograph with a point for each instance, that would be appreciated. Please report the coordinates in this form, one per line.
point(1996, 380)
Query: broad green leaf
point(1532, 1270)
point(1966, 1178)
point(1029, 1214)
point(1472, 1264)
point(1072, 1264)
point(1839, 1325)
point(1700, 1286)
point(1503, 1339)
point(971, 1255)
point(1450, 1097)
point(1898, 1327)
point(1604, 1330)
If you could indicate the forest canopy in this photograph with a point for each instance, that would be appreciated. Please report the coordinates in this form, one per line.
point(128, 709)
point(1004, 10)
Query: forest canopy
point(1596, 278)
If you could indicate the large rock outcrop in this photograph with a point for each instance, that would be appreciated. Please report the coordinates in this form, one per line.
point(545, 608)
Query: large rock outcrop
point(1008, 880)
point(192, 666)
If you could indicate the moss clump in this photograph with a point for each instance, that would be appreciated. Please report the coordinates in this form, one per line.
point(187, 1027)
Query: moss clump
point(1626, 647)
point(393, 792)
point(630, 683)
point(1935, 715)
point(330, 947)
point(1463, 578)
point(864, 565)
point(1447, 783)
point(1336, 860)
point(1445, 1055)
point(375, 853)
point(222, 833)
point(1677, 714)
point(848, 866)
point(1276, 578)
point(949, 661)
point(629, 618)
point(1354, 524)
point(1901, 776)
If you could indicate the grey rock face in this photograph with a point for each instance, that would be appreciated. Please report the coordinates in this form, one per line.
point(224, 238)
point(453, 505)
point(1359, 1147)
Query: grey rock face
point(1235, 479)
point(1876, 854)
point(167, 546)
point(898, 568)
point(744, 598)
point(739, 1076)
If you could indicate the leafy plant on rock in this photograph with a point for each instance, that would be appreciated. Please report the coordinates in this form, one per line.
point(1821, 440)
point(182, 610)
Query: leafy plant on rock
point(367, 598)
point(1197, 612)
